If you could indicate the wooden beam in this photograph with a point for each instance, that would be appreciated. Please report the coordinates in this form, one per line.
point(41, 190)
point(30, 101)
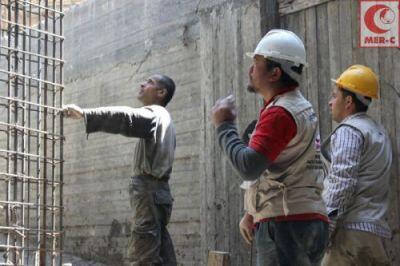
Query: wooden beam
point(218, 258)
point(269, 15)
point(291, 6)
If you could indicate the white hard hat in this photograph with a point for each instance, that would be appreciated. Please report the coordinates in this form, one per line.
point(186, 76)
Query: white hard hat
point(281, 44)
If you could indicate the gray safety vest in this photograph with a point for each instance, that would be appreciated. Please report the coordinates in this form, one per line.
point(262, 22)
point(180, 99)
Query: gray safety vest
point(370, 201)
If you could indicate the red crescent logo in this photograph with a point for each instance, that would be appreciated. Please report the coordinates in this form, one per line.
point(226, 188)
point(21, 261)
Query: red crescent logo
point(370, 18)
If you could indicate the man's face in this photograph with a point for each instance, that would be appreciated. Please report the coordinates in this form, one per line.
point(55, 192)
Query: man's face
point(257, 74)
point(337, 105)
point(150, 92)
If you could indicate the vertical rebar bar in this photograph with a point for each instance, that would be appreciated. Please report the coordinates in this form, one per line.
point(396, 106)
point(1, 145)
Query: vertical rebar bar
point(38, 139)
point(9, 254)
point(61, 133)
point(29, 170)
point(53, 143)
point(43, 197)
point(15, 135)
point(24, 137)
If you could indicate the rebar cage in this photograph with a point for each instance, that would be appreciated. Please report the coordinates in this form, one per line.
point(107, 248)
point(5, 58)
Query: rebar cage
point(31, 132)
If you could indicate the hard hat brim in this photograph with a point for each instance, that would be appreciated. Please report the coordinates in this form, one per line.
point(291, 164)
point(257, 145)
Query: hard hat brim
point(341, 85)
point(352, 90)
point(250, 54)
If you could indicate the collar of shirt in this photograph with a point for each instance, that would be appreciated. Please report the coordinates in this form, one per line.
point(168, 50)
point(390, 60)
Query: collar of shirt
point(281, 91)
point(353, 115)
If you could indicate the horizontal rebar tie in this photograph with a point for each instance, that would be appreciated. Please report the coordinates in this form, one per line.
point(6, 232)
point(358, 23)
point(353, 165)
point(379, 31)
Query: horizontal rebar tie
point(32, 29)
point(30, 103)
point(32, 54)
point(13, 74)
point(25, 178)
point(27, 155)
point(35, 5)
point(56, 137)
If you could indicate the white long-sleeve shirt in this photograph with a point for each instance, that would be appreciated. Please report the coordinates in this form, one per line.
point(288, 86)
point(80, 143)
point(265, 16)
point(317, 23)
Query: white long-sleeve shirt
point(153, 126)
point(346, 150)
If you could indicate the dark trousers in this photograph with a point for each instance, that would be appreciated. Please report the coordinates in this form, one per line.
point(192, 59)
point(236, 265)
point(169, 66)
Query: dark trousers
point(297, 243)
point(151, 203)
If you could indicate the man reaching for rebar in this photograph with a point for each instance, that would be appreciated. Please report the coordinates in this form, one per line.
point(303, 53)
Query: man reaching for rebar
point(150, 197)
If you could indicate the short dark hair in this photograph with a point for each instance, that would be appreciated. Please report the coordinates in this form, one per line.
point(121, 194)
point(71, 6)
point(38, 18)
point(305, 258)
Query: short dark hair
point(168, 84)
point(360, 107)
point(285, 80)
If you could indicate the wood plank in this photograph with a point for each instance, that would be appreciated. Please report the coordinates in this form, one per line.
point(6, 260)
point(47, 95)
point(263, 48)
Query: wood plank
point(224, 83)
point(312, 58)
point(248, 33)
point(270, 19)
point(301, 31)
point(324, 82)
point(290, 6)
point(388, 71)
point(224, 39)
point(345, 33)
point(208, 25)
point(297, 23)
point(334, 49)
point(395, 241)
point(218, 258)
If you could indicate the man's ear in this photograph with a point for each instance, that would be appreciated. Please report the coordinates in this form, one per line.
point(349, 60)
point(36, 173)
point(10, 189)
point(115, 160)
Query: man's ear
point(275, 74)
point(162, 93)
point(348, 100)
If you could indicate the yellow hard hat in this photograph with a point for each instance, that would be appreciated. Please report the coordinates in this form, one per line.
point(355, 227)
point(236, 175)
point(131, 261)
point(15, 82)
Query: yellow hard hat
point(360, 80)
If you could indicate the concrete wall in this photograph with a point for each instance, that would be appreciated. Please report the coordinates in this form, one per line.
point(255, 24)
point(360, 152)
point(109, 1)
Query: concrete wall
point(110, 47)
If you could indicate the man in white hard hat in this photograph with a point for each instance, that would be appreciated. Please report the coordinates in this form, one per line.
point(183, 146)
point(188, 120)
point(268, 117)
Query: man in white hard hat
point(281, 163)
point(150, 196)
point(357, 187)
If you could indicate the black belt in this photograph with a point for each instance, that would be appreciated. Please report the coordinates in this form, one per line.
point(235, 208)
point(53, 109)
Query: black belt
point(163, 178)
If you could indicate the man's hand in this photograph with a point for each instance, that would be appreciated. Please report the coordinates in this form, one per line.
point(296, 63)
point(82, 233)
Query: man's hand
point(72, 111)
point(246, 228)
point(224, 110)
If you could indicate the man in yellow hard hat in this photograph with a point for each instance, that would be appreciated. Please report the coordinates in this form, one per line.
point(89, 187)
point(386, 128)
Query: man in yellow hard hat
point(356, 190)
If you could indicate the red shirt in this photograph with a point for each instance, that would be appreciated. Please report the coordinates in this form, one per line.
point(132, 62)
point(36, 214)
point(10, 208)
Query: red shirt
point(274, 130)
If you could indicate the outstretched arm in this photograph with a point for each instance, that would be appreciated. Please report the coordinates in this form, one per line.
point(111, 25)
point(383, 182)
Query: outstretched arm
point(130, 122)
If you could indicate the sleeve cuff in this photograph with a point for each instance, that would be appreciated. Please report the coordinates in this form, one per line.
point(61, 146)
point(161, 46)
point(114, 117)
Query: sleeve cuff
point(85, 120)
point(225, 126)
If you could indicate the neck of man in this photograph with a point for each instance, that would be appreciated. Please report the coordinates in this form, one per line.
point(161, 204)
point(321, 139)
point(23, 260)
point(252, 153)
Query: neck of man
point(152, 103)
point(347, 113)
point(270, 92)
